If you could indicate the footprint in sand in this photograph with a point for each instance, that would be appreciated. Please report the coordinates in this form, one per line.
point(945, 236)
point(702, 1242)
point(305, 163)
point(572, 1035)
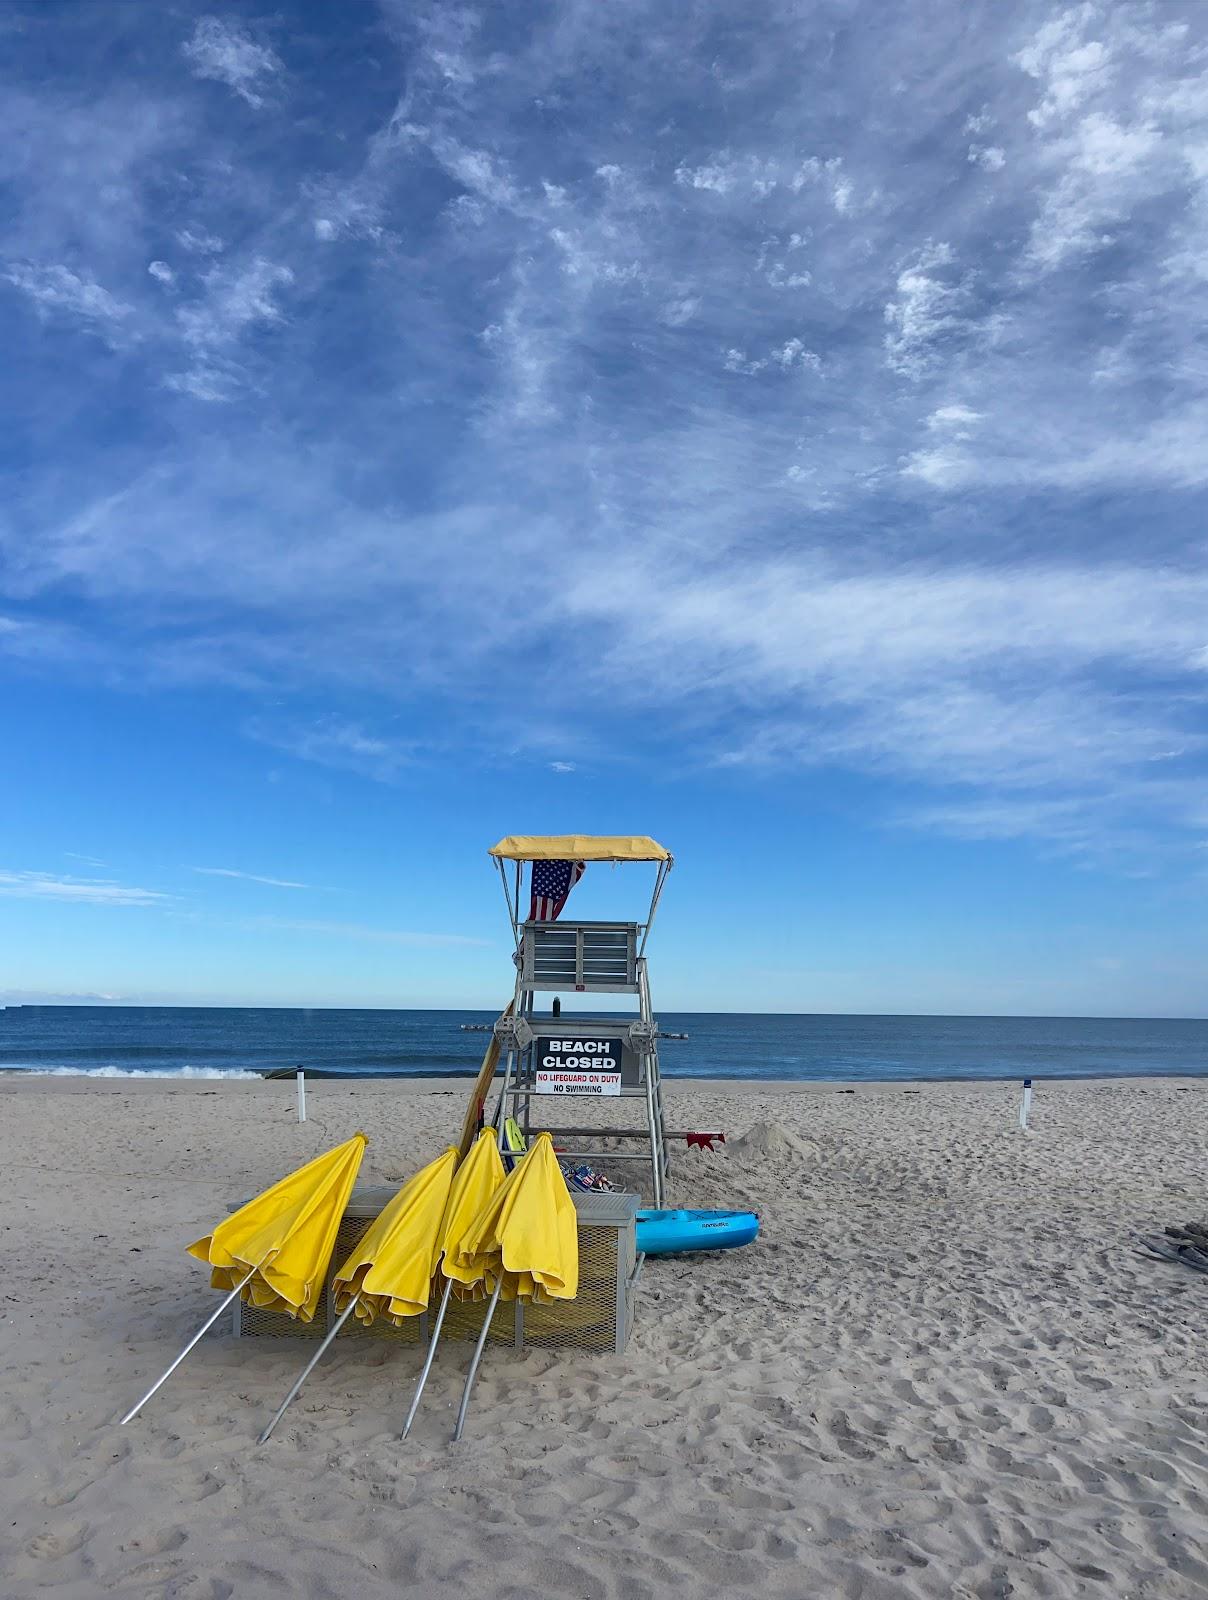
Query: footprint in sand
point(157, 1544)
point(56, 1543)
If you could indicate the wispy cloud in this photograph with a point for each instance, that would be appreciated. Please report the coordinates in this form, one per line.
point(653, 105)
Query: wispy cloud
point(79, 891)
point(251, 877)
point(223, 49)
point(58, 291)
point(821, 453)
point(236, 298)
point(928, 314)
point(337, 742)
point(366, 931)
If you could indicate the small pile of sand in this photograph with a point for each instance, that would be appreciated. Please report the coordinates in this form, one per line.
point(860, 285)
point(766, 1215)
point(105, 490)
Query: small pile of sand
point(769, 1139)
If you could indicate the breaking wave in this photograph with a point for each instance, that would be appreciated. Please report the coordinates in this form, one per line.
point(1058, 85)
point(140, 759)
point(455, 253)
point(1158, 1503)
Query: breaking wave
point(140, 1072)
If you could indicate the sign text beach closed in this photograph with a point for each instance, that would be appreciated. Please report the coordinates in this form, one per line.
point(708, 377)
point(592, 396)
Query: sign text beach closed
point(578, 1065)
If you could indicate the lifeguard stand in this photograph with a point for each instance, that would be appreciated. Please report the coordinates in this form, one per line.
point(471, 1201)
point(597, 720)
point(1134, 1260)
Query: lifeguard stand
point(548, 1056)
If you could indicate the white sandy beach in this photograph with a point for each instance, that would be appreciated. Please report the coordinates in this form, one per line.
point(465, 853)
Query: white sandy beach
point(943, 1370)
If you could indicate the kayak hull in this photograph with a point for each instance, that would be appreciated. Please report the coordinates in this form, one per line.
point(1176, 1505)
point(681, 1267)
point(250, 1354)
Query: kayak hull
point(665, 1233)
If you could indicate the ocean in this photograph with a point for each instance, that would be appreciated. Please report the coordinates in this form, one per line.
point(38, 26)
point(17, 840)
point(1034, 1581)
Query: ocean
point(121, 1041)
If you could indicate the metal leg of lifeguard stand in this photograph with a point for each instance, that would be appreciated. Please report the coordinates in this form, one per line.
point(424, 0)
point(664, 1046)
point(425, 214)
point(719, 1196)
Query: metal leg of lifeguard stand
point(654, 1095)
point(656, 1144)
point(500, 1112)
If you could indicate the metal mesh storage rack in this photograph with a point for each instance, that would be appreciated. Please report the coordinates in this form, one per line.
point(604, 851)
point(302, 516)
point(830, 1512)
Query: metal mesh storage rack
point(599, 1319)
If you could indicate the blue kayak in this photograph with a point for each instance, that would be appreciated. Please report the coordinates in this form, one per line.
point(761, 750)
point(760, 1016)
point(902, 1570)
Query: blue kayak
point(664, 1233)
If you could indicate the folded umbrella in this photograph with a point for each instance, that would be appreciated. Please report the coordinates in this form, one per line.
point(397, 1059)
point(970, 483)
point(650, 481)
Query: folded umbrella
point(475, 1181)
point(274, 1251)
point(389, 1271)
point(524, 1244)
point(478, 1179)
point(525, 1240)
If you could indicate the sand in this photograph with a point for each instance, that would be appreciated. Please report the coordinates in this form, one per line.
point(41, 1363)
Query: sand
point(943, 1370)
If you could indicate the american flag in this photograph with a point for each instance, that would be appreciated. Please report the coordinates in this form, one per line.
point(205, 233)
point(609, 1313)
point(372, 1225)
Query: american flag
point(552, 882)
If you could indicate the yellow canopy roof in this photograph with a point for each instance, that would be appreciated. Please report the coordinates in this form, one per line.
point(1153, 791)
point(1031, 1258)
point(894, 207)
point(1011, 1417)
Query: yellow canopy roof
point(579, 847)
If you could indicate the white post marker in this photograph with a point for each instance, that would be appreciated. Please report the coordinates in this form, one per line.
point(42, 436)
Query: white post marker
point(301, 1095)
point(1025, 1105)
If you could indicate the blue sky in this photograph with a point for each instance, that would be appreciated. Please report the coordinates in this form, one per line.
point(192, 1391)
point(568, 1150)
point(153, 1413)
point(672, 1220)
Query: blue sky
point(780, 429)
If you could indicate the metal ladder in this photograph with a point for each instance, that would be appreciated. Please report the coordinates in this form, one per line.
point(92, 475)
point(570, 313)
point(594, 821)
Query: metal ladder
point(518, 1090)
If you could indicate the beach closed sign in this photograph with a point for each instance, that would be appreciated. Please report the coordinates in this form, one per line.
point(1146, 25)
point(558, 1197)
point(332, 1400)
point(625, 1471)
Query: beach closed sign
point(578, 1065)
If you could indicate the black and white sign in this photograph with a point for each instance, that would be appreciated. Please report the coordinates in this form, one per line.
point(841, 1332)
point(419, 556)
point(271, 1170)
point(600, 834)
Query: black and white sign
point(577, 1064)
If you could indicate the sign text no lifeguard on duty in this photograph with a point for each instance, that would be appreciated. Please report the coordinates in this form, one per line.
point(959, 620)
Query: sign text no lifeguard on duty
point(566, 1065)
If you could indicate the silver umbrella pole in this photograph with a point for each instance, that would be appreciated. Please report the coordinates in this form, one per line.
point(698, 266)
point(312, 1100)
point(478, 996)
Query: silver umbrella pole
point(308, 1369)
point(204, 1329)
point(428, 1359)
point(478, 1349)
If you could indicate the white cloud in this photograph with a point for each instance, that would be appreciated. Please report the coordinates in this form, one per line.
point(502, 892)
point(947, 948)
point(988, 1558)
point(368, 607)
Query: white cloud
point(738, 361)
point(562, 766)
point(1167, 453)
point(678, 312)
point(792, 354)
point(1121, 118)
point(236, 298)
point(366, 931)
point(777, 277)
point(336, 742)
point(716, 178)
point(251, 877)
point(162, 272)
point(208, 381)
point(226, 52)
point(947, 463)
point(990, 157)
point(482, 172)
point(831, 176)
point(929, 311)
point(953, 417)
point(971, 676)
point(943, 466)
point(199, 241)
point(56, 290)
point(1106, 170)
point(75, 891)
point(1069, 66)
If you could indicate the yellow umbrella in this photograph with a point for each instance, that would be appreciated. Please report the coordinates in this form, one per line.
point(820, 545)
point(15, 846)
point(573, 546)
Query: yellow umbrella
point(524, 1244)
point(274, 1250)
point(478, 1178)
point(389, 1272)
point(525, 1241)
point(285, 1236)
point(475, 1181)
